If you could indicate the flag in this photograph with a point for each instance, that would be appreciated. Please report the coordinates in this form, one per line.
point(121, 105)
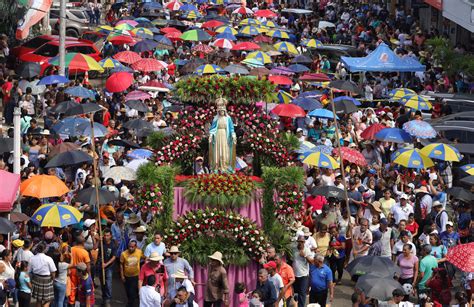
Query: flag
point(36, 11)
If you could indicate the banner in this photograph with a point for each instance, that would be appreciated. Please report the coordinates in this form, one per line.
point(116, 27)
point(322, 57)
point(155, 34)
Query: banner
point(37, 9)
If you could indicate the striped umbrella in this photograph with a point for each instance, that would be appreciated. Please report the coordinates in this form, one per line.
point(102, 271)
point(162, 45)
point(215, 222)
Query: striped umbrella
point(137, 95)
point(78, 61)
point(196, 35)
point(286, 47)
point(352, 156)
point(143, 33)
point(124, 26)
point(203, 48)
point(468, 168)
point(109, 63)
point(260, 56)
point(278, 34)
point(394, 135)
point(398, 93)
point(208, 69)
point(223, 43)
point(173, 5)
point(148, 65)
point(250, 30)
point(416, 102)
point(226, 29)
point(249, 22)
point(133, 23)
point(413, 158)
point(228, 36)
point(243, 11)
point(442, 152)
point(269, 24)
point(284, 97)
point(322, 160)
point(420, 129)
point(311, 43)
point(191, 15)
point(128, 57)
point(56, 215)
point(188, 7)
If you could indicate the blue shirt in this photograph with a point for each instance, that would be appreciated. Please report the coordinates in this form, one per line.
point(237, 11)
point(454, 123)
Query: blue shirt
point(23, 280)
point(160, 249)
point(319, 278)
point(449, 239)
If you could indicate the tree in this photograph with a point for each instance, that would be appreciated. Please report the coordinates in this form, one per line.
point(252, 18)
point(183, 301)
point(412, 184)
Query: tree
point(452, 61)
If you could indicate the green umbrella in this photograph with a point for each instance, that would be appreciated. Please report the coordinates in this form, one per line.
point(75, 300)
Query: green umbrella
point(196, 35)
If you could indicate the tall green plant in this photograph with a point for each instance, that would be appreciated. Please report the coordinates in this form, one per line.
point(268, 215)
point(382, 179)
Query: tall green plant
point(453, 62)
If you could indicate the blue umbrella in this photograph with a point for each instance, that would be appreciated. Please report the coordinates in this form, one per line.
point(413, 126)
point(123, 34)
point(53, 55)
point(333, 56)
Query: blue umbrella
point(180, 62)
point(298, 68)
point(150, 5)
point(68, 126)
point(319, 148)
point(122, 68)
point(308, 104)
point(395, 135)
point(347, 98)
point(145, 45)
point(99, 130)
point(161, 39)
point(53, 79)
point(143, 19)
point(188, 7)
point(322, 113)
point(310, 94)
point(226, 35)
point(79, 91)
point(420, 129)
point(398, 152)
point(140, 154)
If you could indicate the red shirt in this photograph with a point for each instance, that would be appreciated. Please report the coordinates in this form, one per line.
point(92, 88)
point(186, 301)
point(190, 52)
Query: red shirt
point(106, 118)
point(160, 274)
point(315, 202)
point(6, 88)
point(413, 228)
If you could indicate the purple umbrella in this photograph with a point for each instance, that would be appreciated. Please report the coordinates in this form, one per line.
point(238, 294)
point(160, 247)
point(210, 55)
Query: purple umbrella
point(420, 129)
point(281, 70)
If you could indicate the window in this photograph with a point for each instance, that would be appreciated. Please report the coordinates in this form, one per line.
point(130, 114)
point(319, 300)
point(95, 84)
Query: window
point(48, 50)
point(54, 13)
point(82, 49)
point(79, 15)
point(35, 42)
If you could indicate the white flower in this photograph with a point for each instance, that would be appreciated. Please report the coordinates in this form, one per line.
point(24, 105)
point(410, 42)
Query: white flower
point(189, 227)
point(241, 227)
point(206, 221)
point(252, 239)
point(152, 194)
point(261, 238)
point(197, 225)
point(176, 237)
point(178, 224)
point(186, 221)
point(246, 233)
point(259, 135)
point(212, 213)
point(236, 229)
point(244, 244)
point(294, 193)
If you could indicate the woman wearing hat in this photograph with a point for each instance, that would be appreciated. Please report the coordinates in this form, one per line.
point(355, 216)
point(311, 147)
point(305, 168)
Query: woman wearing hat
point(217, 287)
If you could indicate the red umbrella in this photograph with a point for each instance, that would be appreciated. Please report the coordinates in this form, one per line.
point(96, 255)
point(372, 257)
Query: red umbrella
point(289, 110)
point(262, 39)
point(203, 48)
point(174, 36)
point(280, 80)
point(462, 256)
point(147, 65)
point(370, 132)
point(318, 77)
point(137, 95)
point(351, 155)
point(265, 13)
point(128, 57)
point(212, 24)
point(170, 30)
point(119, 82)
point(121, 39)
point(246, 46)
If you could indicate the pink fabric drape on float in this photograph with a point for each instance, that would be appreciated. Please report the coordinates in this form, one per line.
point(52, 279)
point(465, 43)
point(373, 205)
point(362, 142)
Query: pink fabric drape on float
point(252, 211)
point(235, 274)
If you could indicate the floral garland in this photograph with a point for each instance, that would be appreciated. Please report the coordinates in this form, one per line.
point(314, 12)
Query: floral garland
point(150, 196)
point(220, 190)
point(182, 146)
point(239, 90)
point(290, 200)
point(218, 223)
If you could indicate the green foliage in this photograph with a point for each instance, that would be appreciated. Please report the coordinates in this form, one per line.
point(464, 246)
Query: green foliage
point(149, 173)
point(157, 139)
point(453, 62)
point(290, 141)
point(198, 250)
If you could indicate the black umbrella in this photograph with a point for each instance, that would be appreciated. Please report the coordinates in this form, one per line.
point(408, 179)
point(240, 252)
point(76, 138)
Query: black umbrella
point(377, 287)
point(345, 106)
point(328, 191)
point(192, 65)
point(6, 145)
point(144, 132)
point(382, 266)
point(460, 193)
point(468, 180)
point(138, 124)
point(28, 70)
point(173, 108)
point(301, 59)
point(17, 217)
point(137, 105)
point(69, 158)
point(123, 143)
point(88, 196)
point(6, 226)
point(344, 85)
point(83, 108)
point(63, 106)
point(175, 23)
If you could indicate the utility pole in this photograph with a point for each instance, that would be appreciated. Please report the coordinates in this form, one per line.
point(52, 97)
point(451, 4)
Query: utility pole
point(62, 38)
point(16, 140)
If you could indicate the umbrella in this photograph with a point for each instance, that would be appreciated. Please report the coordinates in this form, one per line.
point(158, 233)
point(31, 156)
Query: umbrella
point(236, 69)
point(253, 62)
point(460, 193)
point(280, 80)
point(259, 72)
point(137, 105)
point(250, 31)
point(63, 106)
point(246, 46)
point(262, 39)
point(83, 108)
point(469, 180)
point(121, 69)
point(42, 186)
point(145, 45)
point(18, 217)
point(140, 154)
point(53, 79)
point(125, 25)
point(69, 158)
point(298, 68)
point(398, 93)
point(269, 24)
point(117, 39)
point(328, 191)
point(86, 130)
point(308, 104)
point(162, 41)
point(77, 61)
point(137, 95)
point(347, 98)
point(311, 43)
point(123, 143)
point(370, 132)
point(173, 5)
point(302, 59)
point(56, 215)
point(318, 77)
point(249, 22)
point(6, 226)
point(143, 33)
point(266, 13)
point(394, 135)
point(352, 155)
point(80, 91)
point(223, 43)
point(69, 126)
point(278, 34)
point(281, 70)
point(310, 94)
point(128, 57)
point(260, 56)
point(345, 85)
point(196, 35)
point(9, 183)
point(326, 24)
point(462, 256)
point(212, 24)
point(442, 152)
point(377, 287)
point(316, 148)
point(320, 159)
point(191, 15)
point(322, 113)
point(118, 173)
point(416, 102)
point(88, 196)
point(382, 266)
point(286, 47)
point(419, 129)
point(149, 65)
point(203, 48)
point(135, 164)
point(289, 110)
point(468, 168)
point(28, 69)
point(63, 147)
point(208, 69)
point(243, 11)
point(345, 106)
point(138, 124)
point(119, 82)
point(226, 29)
point(413, 158)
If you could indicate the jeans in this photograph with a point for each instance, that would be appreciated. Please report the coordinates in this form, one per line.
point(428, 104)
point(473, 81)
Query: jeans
point(336, 264)
point(319, 297)
point(213, 304)
point(59, 294)
point(301, 288)
point(131, 287)
point(24, 299)
point(107, 286)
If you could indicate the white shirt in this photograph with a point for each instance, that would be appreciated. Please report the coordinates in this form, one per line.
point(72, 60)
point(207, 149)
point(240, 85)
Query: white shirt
point(41, 264)
point(277, 282)
point(401, 213)
point(149, 297)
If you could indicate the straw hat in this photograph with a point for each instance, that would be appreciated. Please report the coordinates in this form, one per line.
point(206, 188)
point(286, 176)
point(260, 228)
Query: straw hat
point(133, 219)
point(140, 229)
point(377, 206)
point(154, 256)
point(174, 249)
point(149, 115)
point(217, 256)
point(179, 274)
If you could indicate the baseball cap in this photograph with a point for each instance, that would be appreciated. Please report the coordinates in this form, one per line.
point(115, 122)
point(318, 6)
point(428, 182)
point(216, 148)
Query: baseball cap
point(411, 186)
point(449, 224)
point(437, 203)
point(299, 130)
point(270, 264)
point(81, 266)
point(404, 196)
point(89, 222)
point(372, 171)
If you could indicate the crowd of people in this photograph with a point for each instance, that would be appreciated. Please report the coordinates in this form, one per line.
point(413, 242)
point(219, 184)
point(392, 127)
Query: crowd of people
point(402, 214)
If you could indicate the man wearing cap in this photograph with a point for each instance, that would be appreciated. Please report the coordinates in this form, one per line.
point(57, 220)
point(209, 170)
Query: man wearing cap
point(139, 236)
point(302, 257)
point(175, 264)
point(217, 288)
point(402, 210)
point(403, 239)
point(154, 267)
point(299, 135)
point(440, 216)
point(450, 237)
point(130, 270)
point(321, 282)
point(275, 279)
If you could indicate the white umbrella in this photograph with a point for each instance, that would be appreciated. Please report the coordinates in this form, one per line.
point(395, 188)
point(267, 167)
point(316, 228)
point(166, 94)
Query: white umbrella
point(297, 11)
point(135, 164)
point(118, 173)
point(326, 24)
point(35, 88)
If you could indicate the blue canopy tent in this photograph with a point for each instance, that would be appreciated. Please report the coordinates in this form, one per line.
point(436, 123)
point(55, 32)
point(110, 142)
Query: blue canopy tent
point(382, 59)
